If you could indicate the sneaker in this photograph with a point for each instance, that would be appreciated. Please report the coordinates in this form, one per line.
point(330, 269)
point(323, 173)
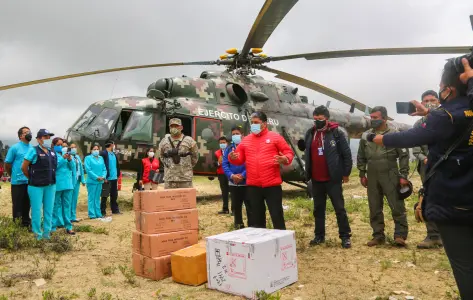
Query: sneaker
point(346, 243)
point(376, 242)
point(106, 219)
point(429, 243)
point(317, 241)
point(400, 242)
point(223, 212)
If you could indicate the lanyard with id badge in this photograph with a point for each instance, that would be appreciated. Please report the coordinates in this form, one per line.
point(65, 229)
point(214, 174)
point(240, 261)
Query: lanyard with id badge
point(321, 148)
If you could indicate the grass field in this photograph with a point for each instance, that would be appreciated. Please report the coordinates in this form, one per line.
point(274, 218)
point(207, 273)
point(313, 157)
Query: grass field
point(96, 263)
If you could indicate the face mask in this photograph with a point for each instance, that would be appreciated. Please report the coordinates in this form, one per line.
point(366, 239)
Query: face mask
point(376, 123)
point(175, 131)
point(95, 152)
point(223, 146)
point(150, 154)
point(255, 128)
point(236, 139)
point(64, 150)
point(442, 99)
point(47, 143)
point(28, 137)
point(431, 105)
point(73, 151)
point(58, 148)
point(319, 124)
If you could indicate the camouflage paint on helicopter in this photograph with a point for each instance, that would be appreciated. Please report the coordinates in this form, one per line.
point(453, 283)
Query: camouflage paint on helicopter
point(209, 107)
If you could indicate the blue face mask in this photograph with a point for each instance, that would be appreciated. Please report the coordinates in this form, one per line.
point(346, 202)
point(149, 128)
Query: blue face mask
point(47, 143)
point(64, 150)
point(236, 139)
point(73, 151)
point(223, 146)
point(95, 152)
point(255, 128)
point(58, 148)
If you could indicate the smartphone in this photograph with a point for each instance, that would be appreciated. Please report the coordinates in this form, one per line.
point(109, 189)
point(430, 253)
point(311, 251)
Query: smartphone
point(405, 108)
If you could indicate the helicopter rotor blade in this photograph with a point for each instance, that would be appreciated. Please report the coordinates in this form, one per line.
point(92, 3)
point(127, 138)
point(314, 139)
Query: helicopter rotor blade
point(269, 17)
point(318, 88)
point(44, 80)
point(376, 52)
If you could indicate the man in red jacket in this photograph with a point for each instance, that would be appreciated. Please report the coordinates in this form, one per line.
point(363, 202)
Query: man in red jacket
point(222, 178)
point(263, 151)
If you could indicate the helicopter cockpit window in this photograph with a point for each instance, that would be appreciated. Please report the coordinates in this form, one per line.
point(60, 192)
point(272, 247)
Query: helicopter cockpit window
point(87, 118)
point(102, 124)
point(139, 126)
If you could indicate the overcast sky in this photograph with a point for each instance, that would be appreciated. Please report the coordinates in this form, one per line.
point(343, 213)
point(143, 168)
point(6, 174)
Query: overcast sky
point(55, 37)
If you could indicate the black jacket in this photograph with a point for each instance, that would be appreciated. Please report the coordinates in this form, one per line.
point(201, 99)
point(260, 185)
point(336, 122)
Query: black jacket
point(449, 192)
point(337, 153)
point(104, 154)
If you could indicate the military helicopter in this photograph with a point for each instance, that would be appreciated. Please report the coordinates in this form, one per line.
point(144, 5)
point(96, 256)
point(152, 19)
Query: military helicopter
point(210, 105)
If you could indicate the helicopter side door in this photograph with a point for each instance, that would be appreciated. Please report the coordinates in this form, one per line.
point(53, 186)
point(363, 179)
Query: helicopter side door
point(206, 132)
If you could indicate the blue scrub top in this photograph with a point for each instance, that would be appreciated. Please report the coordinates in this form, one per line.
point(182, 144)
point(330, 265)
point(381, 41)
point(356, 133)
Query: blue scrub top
point(63, 174)
point(78, 169)
point(112, 166)
point(15, 156)
point(95, 167)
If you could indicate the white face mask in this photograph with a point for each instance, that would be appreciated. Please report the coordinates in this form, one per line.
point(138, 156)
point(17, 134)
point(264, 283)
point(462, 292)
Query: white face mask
point(150, 154)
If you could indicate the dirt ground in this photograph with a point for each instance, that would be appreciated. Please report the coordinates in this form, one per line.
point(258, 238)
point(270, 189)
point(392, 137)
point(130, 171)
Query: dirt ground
point(92, 269)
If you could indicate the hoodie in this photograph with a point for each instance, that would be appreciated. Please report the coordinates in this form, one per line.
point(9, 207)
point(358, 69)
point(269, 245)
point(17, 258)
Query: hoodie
point(334, 161)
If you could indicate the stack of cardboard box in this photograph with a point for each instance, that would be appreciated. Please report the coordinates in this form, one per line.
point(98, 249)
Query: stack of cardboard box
point(166, 221)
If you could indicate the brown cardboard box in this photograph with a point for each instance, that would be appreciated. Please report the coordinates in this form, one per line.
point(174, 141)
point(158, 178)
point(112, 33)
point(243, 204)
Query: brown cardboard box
point(167, 221)
point(164, 200)
point(189, 265)
point(153, 268)
point(154, 245)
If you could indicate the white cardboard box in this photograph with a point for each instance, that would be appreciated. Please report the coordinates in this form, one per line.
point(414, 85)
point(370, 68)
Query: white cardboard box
point(249, 260)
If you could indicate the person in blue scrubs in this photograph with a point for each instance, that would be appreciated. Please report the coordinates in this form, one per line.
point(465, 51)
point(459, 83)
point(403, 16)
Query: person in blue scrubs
point(64, 188)
point(78, 178)
point(39, 166)
point(113, 172)
point(19, 183)
point(96, 174)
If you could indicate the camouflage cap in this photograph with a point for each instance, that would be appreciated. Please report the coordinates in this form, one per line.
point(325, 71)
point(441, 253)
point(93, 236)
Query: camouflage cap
point(175, 121)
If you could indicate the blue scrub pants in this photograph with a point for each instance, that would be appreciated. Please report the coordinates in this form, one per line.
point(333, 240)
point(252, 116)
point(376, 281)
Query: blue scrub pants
point(41, 198)
point(93, 196)
point(62, 210)
point(75, 199)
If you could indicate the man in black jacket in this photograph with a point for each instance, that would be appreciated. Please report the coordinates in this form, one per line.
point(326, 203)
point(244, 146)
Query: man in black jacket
point(113, 172)
point(328, 163)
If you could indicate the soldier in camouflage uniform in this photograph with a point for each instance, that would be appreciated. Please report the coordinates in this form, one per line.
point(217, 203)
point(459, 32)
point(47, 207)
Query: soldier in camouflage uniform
point(178, 175)
point(384, 179)
point(429, 100)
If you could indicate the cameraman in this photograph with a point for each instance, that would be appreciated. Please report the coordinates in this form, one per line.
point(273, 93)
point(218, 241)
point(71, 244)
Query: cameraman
point(448, 200)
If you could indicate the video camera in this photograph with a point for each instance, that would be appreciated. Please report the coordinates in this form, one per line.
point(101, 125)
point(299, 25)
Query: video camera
point(175, 155)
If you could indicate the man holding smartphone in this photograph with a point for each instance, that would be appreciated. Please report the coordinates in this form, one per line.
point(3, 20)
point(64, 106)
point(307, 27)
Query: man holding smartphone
point(429, 100)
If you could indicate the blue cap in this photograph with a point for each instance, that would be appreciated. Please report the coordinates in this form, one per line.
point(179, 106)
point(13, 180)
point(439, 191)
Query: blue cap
point(43, 132)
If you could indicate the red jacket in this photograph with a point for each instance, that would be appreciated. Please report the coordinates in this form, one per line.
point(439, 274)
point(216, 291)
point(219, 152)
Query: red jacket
point(148, 166)
point(258, 152)
point(219, 154)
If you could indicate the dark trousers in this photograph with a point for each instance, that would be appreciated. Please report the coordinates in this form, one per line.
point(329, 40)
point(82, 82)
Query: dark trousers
point(273, 197)
point(458, 244)
point(238, 195)
point(113, 199)
point(21, 203)
point(222, 179)
point(320, 190)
